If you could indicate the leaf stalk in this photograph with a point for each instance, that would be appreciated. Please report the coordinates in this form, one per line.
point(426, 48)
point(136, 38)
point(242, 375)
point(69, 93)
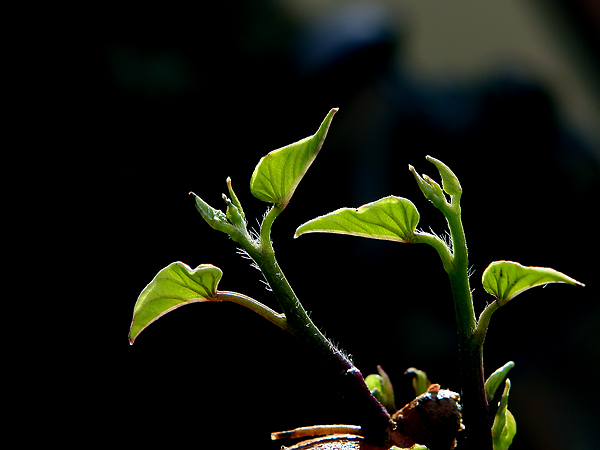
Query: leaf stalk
point(253, 305)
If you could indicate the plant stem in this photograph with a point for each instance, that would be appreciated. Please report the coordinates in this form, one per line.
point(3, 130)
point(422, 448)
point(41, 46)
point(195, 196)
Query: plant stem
point(372, 416)
point(475, 406)
point(458, 274)
point(473, 397)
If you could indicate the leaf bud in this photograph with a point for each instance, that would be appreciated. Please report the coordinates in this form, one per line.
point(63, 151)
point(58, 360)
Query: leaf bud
point(214, 217)
point(233, 214)
point(431, 190)
point(449, 181)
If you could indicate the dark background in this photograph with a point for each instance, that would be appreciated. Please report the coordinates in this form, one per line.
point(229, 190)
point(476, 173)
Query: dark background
point(173, 100)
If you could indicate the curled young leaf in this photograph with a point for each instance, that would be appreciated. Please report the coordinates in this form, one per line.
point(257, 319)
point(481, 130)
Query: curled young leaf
point(505, 426)
point(506, 279)
point(391, 218)
point(449, 181)
point(233, 214)
point(277, 174)
point(234, 198)
point(420, 381)
point(174, 286)
point(430, 188)
point(381, 387)
point(495, 379)
point(214, 217)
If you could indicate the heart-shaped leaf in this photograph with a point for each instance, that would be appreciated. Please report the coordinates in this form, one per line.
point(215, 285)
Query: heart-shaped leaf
point(277, 174)
point(506, 279)
point(391, 218)
point(174, 286)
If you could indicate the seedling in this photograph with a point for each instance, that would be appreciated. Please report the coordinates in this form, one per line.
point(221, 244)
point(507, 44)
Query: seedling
point(436, 416)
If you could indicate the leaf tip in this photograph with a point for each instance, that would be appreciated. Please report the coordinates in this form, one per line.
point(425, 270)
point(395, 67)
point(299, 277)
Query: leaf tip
point(299, 232)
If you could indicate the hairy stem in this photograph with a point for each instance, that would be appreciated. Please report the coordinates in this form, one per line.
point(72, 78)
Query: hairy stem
point(459, 279)
point(443, 251)
point(476, 410)
point(372, 416)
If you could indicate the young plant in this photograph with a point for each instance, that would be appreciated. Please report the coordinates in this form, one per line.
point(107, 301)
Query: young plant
point(431, 421)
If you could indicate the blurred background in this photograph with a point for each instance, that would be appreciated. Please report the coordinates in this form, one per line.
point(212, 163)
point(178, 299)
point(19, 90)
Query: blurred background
point(507, 93)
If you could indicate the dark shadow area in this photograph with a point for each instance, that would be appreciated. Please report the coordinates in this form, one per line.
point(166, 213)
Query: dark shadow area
point(177, 102)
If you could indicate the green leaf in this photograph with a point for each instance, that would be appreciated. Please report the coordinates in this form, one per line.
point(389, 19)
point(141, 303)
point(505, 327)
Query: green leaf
point(232, 222)
point(381, 388)
point(391, 218)
point(214, 217)
point(277, 175)
point(496, 379)
point(506, 279)
point(374, 383)
point(420, 381)
point(449, 181)
point(234, 198)
point(505, 426)
point(174, 286)
point(430, 189)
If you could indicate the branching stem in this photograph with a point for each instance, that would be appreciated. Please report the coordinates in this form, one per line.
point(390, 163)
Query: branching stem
point(440, 246)
point(372, 416)
point(459, 277)
point(474, 400)
point(483, 323)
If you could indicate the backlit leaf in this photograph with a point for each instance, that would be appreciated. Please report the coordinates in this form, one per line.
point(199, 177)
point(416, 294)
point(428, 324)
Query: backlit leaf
point(496, 379)
point(420, 380)
point(449, 181)
point(174, 286)
point(277, 175)
point(505, 426)
point(382, 389)
point(506, 279)
point(391, 218)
